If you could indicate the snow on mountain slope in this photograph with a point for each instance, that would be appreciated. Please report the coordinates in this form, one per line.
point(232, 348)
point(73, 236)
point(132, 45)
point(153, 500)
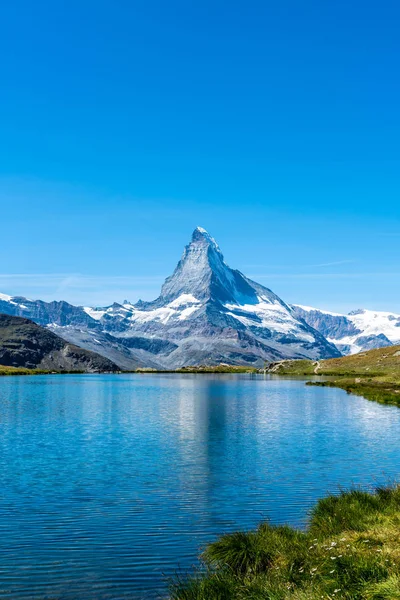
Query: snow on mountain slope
point(376, 323)
point(359, 330)
point(179, 309)
point(269, 315)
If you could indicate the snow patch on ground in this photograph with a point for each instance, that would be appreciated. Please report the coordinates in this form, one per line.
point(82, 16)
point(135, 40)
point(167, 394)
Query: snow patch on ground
point(187, 312)
point(181, 308)
point(184, 299)
point(5, 297)
point(95, 313)
point(348, 341)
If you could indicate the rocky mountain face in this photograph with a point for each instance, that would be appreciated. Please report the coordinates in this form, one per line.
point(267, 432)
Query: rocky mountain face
point(26, 344)
point(357, 331)
point(207, 313)
point(44, 313)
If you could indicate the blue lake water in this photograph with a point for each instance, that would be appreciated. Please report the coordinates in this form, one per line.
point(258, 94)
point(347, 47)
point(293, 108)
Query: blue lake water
point(111, 483)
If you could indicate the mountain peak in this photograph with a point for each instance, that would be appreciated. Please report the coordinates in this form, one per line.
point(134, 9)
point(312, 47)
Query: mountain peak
point(203, 273)
point(201, 263)
point(201, 235)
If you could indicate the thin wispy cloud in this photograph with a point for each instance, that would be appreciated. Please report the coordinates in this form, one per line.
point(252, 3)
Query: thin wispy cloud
point(332, 264)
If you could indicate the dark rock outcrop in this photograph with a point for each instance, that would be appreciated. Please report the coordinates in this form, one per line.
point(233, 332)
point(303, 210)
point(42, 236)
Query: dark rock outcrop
point(26, 344)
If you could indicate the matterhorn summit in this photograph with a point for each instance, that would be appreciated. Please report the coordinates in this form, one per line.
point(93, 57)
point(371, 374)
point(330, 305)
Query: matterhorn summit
point(201, 271)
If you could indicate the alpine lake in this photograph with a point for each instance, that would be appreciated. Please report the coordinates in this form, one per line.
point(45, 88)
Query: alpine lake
point(110, 485)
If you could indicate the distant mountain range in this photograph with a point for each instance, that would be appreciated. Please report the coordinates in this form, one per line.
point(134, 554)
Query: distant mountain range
point(207, 313)
point(359, 330)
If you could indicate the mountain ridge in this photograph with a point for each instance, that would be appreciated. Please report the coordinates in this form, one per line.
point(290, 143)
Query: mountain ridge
point(359, 330)
point(206, 313)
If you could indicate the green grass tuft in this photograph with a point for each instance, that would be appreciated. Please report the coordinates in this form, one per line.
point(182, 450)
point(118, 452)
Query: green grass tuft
point(351, 551)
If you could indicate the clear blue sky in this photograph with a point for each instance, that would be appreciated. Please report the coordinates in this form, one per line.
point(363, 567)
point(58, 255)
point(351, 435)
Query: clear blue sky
point(274, 125)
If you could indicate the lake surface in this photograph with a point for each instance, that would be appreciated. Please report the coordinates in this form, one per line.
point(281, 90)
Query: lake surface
point(111, 483)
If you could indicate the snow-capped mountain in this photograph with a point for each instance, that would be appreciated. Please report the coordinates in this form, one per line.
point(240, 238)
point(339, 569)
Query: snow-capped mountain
point(214, 313)
point(206, 313)
point(62, 313)
point(357, 331)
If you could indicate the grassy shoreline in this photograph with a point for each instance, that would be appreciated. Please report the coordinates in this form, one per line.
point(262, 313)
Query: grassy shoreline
point(203, 369)
point(188, 370)
point(382, 392)
point(4, 371)
point(375, 374)
point(350, 551)
point(12, 371)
